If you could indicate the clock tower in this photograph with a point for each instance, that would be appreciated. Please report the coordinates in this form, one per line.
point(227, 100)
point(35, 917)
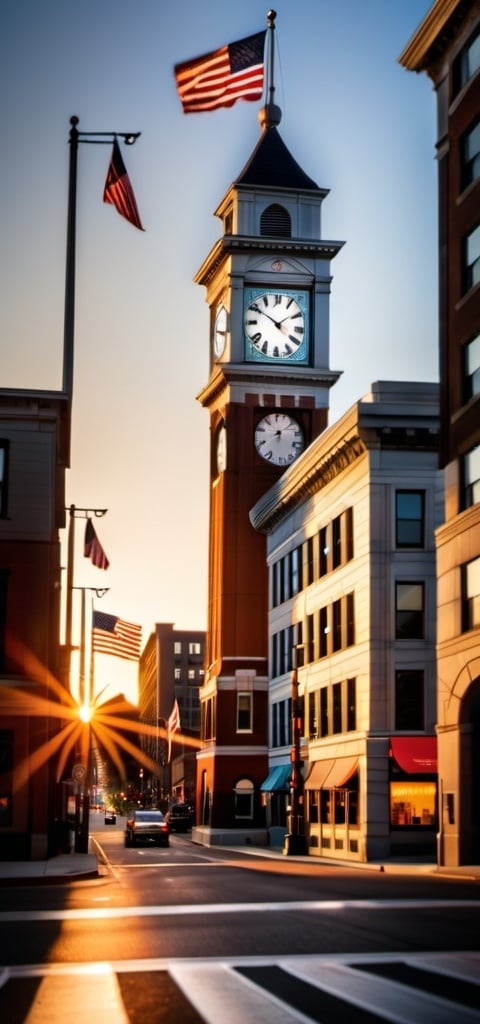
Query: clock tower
point(267, 284)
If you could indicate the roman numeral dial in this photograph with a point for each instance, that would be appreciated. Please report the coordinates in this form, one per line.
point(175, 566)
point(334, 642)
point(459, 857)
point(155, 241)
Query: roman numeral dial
point(275, 326)
point(279, 438)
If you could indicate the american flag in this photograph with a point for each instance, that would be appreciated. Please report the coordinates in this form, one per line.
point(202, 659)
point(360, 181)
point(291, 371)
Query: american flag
point(93, 549)
point(111, 635)
point(118, 189)
point(219, 79)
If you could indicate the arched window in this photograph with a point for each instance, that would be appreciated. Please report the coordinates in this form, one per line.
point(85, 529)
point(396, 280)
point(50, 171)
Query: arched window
point(275, 222)
point(244, 791)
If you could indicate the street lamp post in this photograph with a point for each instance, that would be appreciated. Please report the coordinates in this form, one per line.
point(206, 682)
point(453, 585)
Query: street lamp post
point(296, 840)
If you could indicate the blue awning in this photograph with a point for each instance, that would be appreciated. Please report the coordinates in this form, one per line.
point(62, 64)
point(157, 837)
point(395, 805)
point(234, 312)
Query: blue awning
point(279, 778)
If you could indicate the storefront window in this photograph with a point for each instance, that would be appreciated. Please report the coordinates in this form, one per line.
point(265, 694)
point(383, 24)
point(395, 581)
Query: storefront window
point(313, 806)
point(412, 803)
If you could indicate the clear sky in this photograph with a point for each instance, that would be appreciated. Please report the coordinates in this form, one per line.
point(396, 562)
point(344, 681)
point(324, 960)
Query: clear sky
point(358, 124)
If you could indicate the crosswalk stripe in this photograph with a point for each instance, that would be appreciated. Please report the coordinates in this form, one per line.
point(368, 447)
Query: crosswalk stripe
point(396, 1003)
point(264, 989)
point(220, 995)
point(100, 999)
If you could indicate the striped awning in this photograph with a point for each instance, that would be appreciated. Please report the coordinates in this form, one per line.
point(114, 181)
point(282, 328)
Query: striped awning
point(331, 774)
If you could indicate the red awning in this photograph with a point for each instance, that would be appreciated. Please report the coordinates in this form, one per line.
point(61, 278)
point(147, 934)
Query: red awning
point(416, 755)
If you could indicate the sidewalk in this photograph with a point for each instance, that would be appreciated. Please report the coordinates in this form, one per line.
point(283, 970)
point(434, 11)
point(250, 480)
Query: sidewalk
point(67, 867)
point(73, 867)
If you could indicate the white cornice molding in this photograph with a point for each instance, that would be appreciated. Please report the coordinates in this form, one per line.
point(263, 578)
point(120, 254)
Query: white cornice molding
point(414, 56)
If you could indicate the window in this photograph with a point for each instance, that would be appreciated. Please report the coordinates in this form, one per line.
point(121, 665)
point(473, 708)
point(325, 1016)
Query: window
point(194, 648)
point(412, 803)
point(471, 473)
point(244, 791)
point(312, 714)
point(322, 538)
point(472, 368)
point(409, 519)
point(409, 611)
point(337, 625)
point(324, 711)
point(350, 612)
point(177, 647)
point(191, 673)
point(470, 154)
point(337, 542)
point(467, 63)
point(296, 570)
point(337, 707)
point(275, 221)
point(471, 259)
point(348, 534)
point(244, 712)
point(471, 595)
point(323, 632)
point(3, 477)
point(409, 699)
point(351, 705)
point(178, 673)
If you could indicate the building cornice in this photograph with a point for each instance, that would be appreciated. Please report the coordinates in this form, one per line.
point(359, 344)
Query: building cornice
point(257, 376)
point(434, 34)
point(303, 479)
point(229, 244)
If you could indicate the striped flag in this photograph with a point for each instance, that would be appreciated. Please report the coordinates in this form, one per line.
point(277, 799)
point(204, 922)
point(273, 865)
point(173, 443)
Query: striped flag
point(219, 79)
point(93, 549)
point(118, 189)
point(111, 635)
point(173, 725)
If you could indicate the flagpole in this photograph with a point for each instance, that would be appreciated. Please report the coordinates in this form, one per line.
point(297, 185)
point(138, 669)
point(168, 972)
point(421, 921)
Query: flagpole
point(68, 336)
point(83, 513)
point(76, 136)
point(270, 115)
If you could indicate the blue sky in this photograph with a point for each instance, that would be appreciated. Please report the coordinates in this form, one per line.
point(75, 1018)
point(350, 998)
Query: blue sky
point(358, 124)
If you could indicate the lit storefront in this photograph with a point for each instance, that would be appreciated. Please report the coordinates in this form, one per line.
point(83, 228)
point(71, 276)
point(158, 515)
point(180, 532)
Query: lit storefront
point(413, 792)
point(332, 791)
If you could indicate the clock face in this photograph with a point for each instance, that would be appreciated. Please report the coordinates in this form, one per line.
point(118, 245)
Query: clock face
point(222, 449)
point(276, 325)
point(279, 438)
point(220, 331)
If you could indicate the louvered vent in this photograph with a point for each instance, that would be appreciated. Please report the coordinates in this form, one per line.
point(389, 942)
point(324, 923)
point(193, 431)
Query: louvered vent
point(275, 222)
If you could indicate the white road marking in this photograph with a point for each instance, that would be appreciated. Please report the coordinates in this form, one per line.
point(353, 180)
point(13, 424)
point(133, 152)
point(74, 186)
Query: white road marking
point(200, 909)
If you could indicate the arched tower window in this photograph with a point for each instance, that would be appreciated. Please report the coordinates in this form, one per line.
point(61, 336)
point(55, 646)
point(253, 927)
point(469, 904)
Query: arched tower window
point(275, 222)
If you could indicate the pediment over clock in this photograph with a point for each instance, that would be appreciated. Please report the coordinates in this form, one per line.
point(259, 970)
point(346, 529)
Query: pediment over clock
point(277, 265)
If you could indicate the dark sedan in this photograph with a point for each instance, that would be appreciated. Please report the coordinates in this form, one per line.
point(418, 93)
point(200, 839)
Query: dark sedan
point(147, 826)
point(179, 818)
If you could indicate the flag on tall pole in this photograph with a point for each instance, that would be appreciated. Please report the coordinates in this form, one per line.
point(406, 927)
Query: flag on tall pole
point(93, 549)
point(219, 79)
point(111, 635)
point(173, 725)
point(118, 189)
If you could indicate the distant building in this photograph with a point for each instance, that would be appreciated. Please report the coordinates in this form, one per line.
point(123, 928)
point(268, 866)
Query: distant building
point(34, 439)
point(351, 561)
point(447, 47)
point(172, 668)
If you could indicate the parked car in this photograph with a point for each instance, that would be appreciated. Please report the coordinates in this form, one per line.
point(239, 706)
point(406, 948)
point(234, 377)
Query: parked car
point(179, 817)
point(147, 825)
point(110, 817)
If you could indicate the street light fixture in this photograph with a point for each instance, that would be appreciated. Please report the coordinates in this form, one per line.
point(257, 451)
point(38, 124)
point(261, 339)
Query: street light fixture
point(296, 840)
